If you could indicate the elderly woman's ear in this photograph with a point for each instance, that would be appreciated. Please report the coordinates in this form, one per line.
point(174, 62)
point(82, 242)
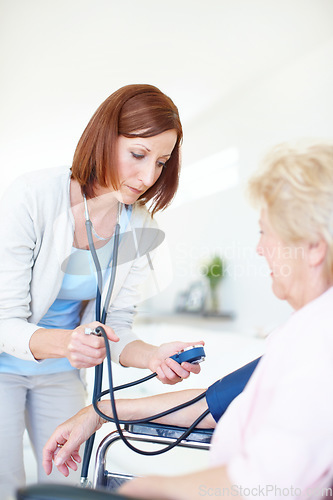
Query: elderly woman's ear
point(317, 252)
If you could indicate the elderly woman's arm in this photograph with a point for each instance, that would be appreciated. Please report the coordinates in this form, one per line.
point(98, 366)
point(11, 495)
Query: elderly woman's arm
point(64, 445)
point(212, 482)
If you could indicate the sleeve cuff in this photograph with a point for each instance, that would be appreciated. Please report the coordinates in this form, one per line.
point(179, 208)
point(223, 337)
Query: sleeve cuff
point(17, 340)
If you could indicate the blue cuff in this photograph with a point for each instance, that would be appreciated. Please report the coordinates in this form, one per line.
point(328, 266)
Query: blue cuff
point(220, 394)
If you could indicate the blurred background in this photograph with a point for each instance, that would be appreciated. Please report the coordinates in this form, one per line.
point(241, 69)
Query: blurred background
point(244, 75)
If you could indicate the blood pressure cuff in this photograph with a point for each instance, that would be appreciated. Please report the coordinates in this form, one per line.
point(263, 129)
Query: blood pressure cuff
point(220, 394)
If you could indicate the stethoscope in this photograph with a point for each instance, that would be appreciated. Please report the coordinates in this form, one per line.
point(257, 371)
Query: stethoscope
point(100, 316)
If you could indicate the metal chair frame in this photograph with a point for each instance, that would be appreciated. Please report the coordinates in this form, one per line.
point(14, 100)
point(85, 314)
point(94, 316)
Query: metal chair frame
point(147, 433)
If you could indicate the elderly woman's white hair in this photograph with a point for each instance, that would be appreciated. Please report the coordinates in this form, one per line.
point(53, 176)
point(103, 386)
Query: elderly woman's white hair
point(295, 185)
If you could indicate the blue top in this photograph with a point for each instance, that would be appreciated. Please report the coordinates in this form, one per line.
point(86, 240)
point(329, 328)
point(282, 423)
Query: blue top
point(79, 283)
point(223, 392)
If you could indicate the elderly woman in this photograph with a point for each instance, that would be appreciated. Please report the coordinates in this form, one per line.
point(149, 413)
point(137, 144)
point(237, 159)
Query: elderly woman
point(276, 437)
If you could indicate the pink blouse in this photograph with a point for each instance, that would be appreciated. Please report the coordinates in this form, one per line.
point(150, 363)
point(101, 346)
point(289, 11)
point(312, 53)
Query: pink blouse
point(276, 438)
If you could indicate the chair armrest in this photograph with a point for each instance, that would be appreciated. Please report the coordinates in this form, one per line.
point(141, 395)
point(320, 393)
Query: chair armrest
point(170, 431)
point(46, 491)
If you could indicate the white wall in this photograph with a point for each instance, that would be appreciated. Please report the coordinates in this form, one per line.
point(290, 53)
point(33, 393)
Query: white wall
point(293, 102)
point(243, 74)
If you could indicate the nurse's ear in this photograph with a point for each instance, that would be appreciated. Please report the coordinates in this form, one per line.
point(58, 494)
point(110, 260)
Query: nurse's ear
point(317, 252)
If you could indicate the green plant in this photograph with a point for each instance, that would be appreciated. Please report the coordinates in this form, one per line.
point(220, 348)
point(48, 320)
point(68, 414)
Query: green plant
point(214, 270)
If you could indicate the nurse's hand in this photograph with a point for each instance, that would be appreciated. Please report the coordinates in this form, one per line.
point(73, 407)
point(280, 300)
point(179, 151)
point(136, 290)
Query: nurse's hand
point(86, 350)
point(167, 369)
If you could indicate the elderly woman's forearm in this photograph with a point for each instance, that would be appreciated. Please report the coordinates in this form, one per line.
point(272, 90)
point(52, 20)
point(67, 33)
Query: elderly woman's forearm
point(133, 409)
point(208, 482)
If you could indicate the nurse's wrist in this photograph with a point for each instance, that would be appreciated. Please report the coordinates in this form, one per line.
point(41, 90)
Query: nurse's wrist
point(152, 357)
point(148, 356)
point(138, 354)
point(49, 343)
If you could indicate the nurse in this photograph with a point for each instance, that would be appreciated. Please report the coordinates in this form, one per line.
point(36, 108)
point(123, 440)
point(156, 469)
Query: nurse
point(128, 156)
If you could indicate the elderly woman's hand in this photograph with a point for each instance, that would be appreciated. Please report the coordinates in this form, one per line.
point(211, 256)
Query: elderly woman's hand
point(85, 351)
point(63, 446)
point(167, 369)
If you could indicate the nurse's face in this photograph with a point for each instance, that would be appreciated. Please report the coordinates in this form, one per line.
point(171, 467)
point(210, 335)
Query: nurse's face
point(140, 161)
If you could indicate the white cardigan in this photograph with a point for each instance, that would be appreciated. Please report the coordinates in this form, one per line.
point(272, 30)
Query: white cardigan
point(37, 227)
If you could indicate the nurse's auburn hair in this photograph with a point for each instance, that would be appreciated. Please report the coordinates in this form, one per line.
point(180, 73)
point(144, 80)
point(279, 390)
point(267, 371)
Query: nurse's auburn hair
point(137, 110)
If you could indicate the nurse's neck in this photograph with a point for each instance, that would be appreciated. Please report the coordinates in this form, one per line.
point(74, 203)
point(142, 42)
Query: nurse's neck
point(103, 203)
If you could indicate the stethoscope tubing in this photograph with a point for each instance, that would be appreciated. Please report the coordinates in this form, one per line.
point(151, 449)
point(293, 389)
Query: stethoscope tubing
point(99, 316)
point(97, 394)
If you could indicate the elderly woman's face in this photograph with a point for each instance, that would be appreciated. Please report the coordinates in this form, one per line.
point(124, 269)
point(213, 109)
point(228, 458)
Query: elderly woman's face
point(287, 263)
